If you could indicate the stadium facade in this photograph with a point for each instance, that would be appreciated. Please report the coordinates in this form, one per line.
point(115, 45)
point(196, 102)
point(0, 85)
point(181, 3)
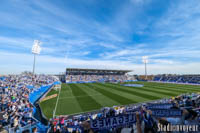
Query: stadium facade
point(81, 75)
point(81, 71)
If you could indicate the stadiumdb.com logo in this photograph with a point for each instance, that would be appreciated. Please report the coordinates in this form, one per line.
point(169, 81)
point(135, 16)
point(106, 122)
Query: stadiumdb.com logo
point(177, 128)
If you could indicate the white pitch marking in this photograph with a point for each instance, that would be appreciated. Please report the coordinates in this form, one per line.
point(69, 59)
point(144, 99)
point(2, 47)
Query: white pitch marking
point(56, 103)
point(81, 96)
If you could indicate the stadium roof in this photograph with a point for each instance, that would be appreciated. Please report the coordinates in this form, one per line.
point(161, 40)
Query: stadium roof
point(87, 69)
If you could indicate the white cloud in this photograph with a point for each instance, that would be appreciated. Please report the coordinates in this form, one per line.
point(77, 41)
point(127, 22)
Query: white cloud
point(17, 42)
point(120, 53)
point(50, 65)
point(107, 45)
point(160, 61)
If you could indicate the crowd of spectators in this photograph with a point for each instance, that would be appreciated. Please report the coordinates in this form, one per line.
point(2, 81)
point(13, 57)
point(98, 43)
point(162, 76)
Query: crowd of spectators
point(189, 104)
point(99, 78)
point(15, 108)
point(192, 79)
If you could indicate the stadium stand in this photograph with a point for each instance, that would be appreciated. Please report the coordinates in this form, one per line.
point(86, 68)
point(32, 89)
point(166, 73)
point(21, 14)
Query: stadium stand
point(19, 93)
point(143, 77)
point(76, 75)
point(192, 79)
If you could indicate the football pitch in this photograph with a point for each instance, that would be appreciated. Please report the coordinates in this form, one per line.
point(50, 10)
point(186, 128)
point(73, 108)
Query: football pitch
point(80, 98)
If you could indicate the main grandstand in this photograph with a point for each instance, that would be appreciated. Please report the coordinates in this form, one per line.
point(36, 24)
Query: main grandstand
point(77, 75)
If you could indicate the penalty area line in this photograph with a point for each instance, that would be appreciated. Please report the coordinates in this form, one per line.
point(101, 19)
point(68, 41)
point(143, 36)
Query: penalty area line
point(81, 96)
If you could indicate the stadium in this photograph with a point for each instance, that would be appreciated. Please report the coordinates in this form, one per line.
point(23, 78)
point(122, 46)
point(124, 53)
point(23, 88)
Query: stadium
point(81, 98)
point(100, 66)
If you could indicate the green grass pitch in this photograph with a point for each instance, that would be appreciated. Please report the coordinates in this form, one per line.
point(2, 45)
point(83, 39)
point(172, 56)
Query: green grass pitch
point(79, 98)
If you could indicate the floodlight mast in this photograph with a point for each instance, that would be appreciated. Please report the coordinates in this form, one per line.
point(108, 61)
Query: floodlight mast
point(145, 61)
point(35, 50)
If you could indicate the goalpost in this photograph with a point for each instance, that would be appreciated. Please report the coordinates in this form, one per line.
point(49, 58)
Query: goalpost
point(57, 87)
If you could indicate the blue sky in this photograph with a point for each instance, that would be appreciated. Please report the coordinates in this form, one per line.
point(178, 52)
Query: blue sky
point(110, 34)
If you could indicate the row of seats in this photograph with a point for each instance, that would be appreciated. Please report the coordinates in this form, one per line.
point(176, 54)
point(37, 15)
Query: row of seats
point(193, 79)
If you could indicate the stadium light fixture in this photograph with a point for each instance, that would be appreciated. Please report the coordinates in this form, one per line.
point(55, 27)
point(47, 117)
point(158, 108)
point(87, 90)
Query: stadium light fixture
point(145, 61)
point(35, 50)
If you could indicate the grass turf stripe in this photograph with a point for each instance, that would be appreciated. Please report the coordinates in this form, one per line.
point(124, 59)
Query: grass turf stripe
point(192, 87)
point(100, 98)
point(150, 97)
point(152, 90)
point(86, 103)
point(48, 107)
point(135, 98)
point(183, 88)
point(116, 97)
point(164, 88)
point(174, 89)
point(68, 106)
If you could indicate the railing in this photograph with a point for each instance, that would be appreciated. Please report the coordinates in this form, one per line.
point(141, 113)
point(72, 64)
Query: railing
point(20, 129)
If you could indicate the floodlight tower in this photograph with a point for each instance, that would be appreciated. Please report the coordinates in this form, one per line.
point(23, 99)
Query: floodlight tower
point(145, 61)
point(35, 51)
